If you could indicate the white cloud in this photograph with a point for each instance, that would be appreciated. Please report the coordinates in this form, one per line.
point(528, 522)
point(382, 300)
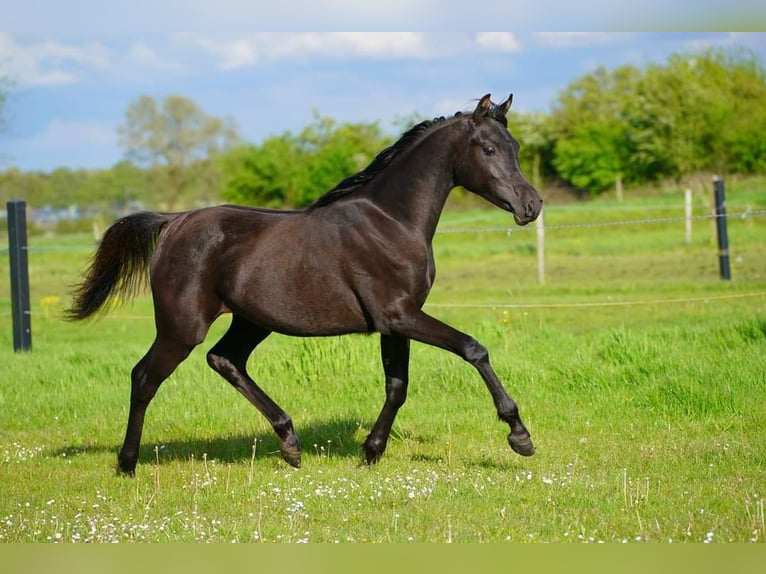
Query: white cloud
point(89, 55)
point(271, 46)
point(229, 54)
point(145, 58)
point(237, 54)
point(48, 62)
point(752, 40)
point(498, 41)
point(257, 48)
point(576, 39)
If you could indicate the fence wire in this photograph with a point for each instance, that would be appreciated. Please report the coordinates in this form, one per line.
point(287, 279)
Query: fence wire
point(508, 230)
point(597, 303)
point(647, 221)
point(748, 213)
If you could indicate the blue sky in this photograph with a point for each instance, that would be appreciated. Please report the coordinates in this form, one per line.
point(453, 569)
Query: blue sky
point(70, 90)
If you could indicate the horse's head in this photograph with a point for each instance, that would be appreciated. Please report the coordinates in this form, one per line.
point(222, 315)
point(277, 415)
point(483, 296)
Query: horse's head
point(488, 165)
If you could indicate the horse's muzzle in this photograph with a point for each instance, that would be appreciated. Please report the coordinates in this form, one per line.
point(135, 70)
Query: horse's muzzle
point(532, 210)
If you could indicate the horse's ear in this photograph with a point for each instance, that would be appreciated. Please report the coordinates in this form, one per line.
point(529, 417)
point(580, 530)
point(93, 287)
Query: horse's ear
point(482, 108)
point(506, 105)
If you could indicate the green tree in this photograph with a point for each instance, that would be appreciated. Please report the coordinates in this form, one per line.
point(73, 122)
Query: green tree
point(333, 151)
point(290, 170)
point(121, 185)
point(32, 187)
point(695, 113)
point(702, 113)
point(590, 126)
point(264, 174)
point(672, 116)
point(736, 118)
point(64, 185)
point(534, 132)
point(591, 158)
point(171, 137)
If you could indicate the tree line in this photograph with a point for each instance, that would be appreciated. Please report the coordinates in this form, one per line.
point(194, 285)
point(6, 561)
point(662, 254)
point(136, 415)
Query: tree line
point(693, 113)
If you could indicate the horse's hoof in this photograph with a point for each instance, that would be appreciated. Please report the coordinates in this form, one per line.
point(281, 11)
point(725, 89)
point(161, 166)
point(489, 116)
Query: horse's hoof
point(128, 472)
point(521, 445)
point(373, 450)
point(291, 457)
point(371, 457)
point(126, 467)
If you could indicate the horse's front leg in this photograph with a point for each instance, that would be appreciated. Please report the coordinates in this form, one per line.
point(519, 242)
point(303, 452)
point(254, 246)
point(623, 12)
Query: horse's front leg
point(395, 353)
point(415, 324)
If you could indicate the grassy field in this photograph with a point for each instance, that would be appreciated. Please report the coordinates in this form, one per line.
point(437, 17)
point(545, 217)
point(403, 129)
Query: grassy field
point(641, 375)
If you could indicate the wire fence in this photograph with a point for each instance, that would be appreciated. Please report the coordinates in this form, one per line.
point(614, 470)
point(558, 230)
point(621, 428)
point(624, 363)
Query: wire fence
point(589, 224)
point(509, 230)
point(740, 215)
point(668, 301)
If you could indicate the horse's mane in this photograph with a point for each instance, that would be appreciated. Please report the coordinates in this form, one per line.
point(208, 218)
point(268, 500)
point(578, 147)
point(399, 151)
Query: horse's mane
point(381, 161)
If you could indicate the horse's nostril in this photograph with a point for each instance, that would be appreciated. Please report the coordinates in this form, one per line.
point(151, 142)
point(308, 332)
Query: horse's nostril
point(533, 207)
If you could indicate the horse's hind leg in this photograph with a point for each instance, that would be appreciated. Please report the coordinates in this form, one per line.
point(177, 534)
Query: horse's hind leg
point(147, 376)
point(229, 358)
point(395, 353)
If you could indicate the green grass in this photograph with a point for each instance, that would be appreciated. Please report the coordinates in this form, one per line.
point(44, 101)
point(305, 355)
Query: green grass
point(648, 417)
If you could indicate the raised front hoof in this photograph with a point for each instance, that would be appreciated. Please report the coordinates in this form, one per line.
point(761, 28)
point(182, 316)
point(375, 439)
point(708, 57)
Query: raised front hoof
point(292, 456)
point(521, 445)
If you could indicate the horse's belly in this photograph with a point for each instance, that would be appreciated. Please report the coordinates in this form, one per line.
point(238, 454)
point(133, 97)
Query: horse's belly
point(304, 307)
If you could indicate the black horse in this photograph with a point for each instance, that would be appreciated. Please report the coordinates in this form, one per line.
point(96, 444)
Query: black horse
point(358, 260)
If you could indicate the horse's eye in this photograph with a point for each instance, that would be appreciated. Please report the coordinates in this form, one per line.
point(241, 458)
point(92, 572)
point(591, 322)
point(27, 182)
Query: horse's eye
point(489, 150)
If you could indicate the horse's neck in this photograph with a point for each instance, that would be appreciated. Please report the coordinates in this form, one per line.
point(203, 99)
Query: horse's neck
point(414, 189)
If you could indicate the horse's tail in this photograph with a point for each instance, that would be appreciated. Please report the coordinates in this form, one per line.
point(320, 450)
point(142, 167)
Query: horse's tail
point(120, 265)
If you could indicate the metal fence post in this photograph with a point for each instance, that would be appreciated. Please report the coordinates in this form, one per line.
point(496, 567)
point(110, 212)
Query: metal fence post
point(17, 248)
point(721, 228)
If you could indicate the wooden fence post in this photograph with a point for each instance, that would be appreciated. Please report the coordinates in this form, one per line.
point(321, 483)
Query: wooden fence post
point(618, 187)
point(688, 216)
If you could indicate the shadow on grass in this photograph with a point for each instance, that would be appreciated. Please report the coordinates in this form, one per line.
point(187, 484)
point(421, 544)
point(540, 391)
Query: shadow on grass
point(502, 463)
point(328, 438)
point(325, 438)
